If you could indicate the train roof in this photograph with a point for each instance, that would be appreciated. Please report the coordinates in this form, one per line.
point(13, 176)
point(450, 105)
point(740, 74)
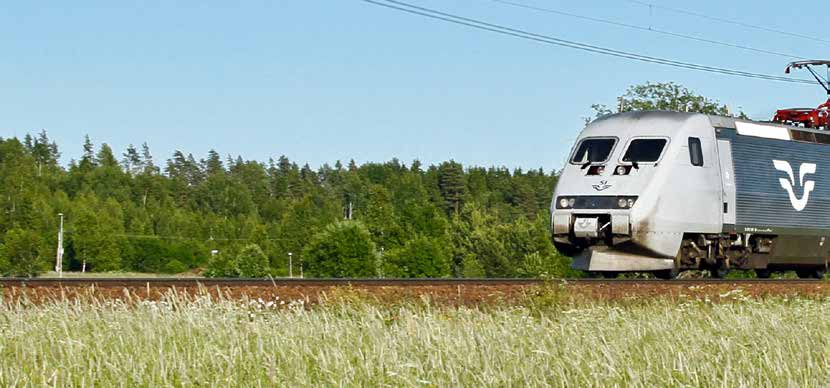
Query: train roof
point(765, 129)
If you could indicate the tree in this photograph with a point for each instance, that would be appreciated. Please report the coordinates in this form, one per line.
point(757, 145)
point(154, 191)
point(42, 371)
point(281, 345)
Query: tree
point(45, 153)
point(128, 215)
point(131, 161)
point(222, 265)
point(98, 228)
point(453, 188)
point(213, 164)
point(23, 254)
point(343, 249)
point(421, 257)
point(88, 161)
point(147, 165)
point(667, 96)
point(251, 262)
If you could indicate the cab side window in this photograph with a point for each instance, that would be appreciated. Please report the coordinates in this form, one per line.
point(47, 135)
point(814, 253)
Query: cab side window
point(695, 152)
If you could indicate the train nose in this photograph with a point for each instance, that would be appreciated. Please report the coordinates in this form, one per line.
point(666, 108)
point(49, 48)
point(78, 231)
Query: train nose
point(586, 227)
point(570, 226)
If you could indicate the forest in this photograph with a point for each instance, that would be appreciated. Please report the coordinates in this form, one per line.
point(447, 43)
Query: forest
point(227, 216)
point(230, 217)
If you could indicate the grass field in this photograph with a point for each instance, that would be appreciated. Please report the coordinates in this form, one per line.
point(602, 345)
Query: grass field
point(735, 341)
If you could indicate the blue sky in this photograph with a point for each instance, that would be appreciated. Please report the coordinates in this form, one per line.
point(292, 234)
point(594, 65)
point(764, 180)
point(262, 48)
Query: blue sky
point(325, 80)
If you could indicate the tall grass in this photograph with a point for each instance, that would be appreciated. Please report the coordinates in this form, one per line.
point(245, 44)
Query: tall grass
point(205, 342)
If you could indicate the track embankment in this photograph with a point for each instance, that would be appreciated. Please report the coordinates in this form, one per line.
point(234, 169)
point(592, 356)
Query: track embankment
point(442, 291)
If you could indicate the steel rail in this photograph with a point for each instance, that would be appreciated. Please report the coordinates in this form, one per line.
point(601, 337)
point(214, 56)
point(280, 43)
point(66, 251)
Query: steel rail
point(296, 282)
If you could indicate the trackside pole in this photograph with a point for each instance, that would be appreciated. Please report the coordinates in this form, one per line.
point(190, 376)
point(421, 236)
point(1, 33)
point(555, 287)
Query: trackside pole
point(59, 254)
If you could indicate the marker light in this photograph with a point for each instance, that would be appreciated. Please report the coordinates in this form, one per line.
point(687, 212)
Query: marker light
point(623, 203)
point(563, 203)
point(621, 170)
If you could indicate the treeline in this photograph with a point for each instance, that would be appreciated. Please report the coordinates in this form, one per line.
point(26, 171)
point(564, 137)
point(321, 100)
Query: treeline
point(235, 217)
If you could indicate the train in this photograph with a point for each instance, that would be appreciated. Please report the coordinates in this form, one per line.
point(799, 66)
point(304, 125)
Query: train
point(664, 192)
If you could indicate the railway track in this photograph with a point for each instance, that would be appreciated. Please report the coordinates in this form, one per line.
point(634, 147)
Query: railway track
point(296, 282)
point(438, 291)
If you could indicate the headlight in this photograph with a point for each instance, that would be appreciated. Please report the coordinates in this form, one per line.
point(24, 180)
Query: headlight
point(626, 202)
point(565, 203)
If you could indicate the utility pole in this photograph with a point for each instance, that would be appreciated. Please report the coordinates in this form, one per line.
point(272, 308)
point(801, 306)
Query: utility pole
point(59, 255)
point(290, 265)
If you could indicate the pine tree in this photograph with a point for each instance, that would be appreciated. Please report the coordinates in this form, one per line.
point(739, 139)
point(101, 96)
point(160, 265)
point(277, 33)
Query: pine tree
point(131, 161)
point(88, 161)
point(453, 187)
point(147, 165)
point(213, 164)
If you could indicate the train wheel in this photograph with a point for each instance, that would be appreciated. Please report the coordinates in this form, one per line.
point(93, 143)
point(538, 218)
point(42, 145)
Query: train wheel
point(666, 274)
point(718, 272)
point(813, 273)
point(610, 274)
point(763, 273)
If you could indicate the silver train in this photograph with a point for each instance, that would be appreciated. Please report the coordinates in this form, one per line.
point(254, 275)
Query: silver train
point(664, 192)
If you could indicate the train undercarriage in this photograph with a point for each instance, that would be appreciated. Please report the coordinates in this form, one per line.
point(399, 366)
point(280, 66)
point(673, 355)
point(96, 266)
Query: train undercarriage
point(716, 253)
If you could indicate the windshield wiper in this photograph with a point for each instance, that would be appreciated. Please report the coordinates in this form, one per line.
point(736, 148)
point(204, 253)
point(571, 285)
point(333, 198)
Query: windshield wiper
point(584, 166)
point(635, 165)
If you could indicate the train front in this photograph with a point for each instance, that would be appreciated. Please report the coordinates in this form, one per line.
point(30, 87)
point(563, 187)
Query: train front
point(604, 207)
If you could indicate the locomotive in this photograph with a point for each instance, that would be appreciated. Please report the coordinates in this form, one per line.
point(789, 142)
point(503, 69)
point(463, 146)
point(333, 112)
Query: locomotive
point(663, 192)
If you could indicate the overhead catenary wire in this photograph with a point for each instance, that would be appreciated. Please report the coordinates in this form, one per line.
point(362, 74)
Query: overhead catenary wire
point(523, 34)
point(642, 28)
point(727, 21)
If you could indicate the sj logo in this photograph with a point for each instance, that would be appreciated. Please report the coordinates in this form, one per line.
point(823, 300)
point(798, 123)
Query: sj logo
point(806, 168)
point(601, 186)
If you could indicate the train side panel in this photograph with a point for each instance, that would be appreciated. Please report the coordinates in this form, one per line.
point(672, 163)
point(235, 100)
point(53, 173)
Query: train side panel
point(782, 188)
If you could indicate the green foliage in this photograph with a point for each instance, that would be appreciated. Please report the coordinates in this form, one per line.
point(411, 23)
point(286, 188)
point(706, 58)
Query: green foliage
point(343, 249)
point(98, 232)
point(667, 96)
point(173, 266)
point(127, 213)
point(23, 253)
point(453, 187)
point(421, 257)
point(251, 262)
point(471, 267)
point(222, 265)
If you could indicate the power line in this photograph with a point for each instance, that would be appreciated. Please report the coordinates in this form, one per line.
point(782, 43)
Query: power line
point(722, 20)
point(477, 24)
point(641, 28)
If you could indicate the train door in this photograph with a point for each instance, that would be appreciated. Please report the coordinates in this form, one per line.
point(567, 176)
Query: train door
point(727, 173)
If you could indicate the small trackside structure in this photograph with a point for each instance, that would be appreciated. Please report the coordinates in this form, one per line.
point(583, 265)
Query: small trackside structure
point(818, 118)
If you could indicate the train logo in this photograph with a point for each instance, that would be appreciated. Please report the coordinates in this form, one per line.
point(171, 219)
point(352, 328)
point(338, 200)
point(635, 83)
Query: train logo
point(806, 168)
point(601, 186)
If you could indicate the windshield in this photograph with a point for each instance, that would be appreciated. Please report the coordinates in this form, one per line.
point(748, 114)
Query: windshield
point(594, 150)
point(644, 150)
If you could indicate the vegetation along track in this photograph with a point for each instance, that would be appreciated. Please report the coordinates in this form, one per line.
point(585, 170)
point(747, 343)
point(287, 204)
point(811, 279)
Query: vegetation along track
point(439, 291)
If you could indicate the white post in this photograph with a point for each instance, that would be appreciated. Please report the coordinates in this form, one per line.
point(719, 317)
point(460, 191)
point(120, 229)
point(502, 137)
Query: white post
point(59, 253)
point(290, 266)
